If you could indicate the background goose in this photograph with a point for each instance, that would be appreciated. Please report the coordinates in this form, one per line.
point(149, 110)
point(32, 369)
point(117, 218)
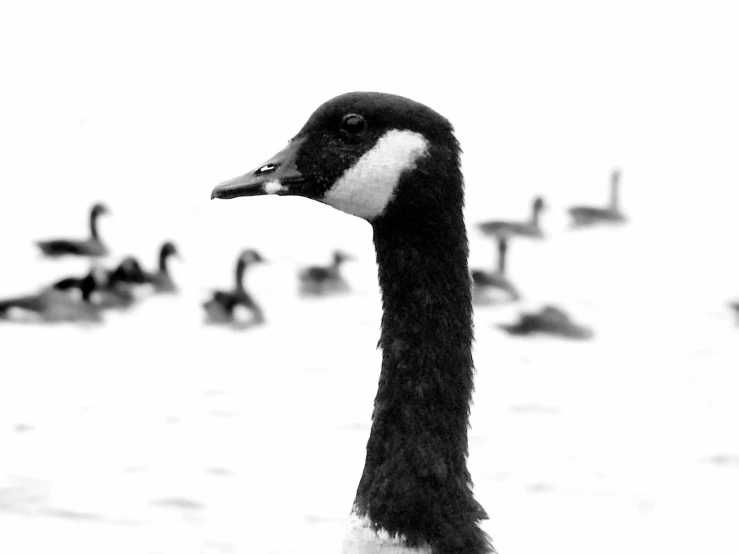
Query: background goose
point(92, 246)
point(115, 288)
point(585, 216)
point(52, 305)
point(486, 281)
point(221, 308)
point(161, 280)
point(319, 280)
point(530, 228)
point(395, 163)
point(550, 320)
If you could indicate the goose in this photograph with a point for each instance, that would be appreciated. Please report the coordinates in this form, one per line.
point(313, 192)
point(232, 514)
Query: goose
point(485, 281)
point(530, 228)
point(161, 280)
point(52, 305)
point(116, 287)
point(221, 308)
point(550, 320)
point(395, 163)
point(318, 280)
point(92, 247)
point(586, 216)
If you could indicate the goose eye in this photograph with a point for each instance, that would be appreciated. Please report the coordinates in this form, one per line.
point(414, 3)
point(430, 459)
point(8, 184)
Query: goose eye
point(353, 124)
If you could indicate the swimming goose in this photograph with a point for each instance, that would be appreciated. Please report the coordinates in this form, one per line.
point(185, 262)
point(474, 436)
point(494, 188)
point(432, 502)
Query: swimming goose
point(91, 247)
point(530, 228)
point(586, 216)
point(221, 308)
point(395, 163)
point(318, 280)
point(52, 305)
point(485, 281)
point(161, 280)
point(115, 288)
point(550, 320)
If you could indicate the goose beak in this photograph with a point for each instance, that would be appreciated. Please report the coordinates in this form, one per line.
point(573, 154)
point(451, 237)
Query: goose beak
point(279, 175)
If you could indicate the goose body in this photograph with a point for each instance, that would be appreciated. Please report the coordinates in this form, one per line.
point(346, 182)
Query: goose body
point(222, 305)
point(485, 281)
point(395, 163)
point(587, 216)
point(550, 320)
point(319, 280)
point(52, 305)
point(530, 228)
point(91, 247)
point(115, 288)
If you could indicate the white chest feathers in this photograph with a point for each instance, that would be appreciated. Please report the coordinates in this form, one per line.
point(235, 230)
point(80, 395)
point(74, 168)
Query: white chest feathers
point(361, 538)
point(366, 188)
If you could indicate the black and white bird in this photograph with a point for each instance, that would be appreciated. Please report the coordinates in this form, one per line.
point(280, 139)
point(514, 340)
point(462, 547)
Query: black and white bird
point(322, 280)
point(161, 280)
point(395, 163)
point(222, 307)
point(550, 320)
point(487, 282)
point(51, 305)
point(92, 247)
point(530, 228)
point(587, 216)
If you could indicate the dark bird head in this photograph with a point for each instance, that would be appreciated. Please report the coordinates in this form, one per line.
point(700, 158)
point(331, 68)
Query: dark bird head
point(355, 151)
point(251, 256)
point(99, 209)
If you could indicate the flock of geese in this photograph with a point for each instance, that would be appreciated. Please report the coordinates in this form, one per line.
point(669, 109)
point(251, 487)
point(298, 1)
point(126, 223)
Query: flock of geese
point(396, 164)
point(84, 298)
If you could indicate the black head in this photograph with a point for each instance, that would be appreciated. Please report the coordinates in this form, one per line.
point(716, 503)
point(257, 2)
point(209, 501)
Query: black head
point(99, 209)
point(340, 256)
point(353, 153)
point(250, 256)
point(168, 249)
point(539, 204)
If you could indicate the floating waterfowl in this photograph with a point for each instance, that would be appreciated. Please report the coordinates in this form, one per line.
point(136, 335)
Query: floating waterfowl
point(550, 320)
point(530, 228)
point(587, 216)
point(221, 308)
point(115, 288)
point(485, 282)
point(51, 305)
point(161, 280)
point(395, 163)
point(320, 280)
point(91, 247)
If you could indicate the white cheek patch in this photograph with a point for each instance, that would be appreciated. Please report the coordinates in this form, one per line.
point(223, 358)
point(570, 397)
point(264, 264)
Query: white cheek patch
point(361, 537)
point(366, 188)
point(273, 187)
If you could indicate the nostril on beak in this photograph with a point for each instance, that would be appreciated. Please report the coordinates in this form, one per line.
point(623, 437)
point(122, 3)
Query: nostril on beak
point(265, 169)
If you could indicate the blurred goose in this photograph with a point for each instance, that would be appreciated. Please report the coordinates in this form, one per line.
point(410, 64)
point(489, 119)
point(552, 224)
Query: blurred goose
point(395, 163)
point(221, 308)
point(485, 281)
point(320, 280)
point(161, 280)
point(116, 287)
point(52, 305)
point(530, 228)
point(550, 320)
point(735, 307)
point(586, 216)
point(91, 247)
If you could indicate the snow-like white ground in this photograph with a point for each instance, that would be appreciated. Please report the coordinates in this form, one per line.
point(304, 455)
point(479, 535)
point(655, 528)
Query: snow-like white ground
point(155, 434)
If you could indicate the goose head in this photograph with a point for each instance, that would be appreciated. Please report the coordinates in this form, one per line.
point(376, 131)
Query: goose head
point(168, 249)
point(250, 256)
point(353, 152)
point(99, 209)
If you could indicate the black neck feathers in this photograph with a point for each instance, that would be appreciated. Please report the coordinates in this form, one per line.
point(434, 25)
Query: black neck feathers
point(415, 481)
